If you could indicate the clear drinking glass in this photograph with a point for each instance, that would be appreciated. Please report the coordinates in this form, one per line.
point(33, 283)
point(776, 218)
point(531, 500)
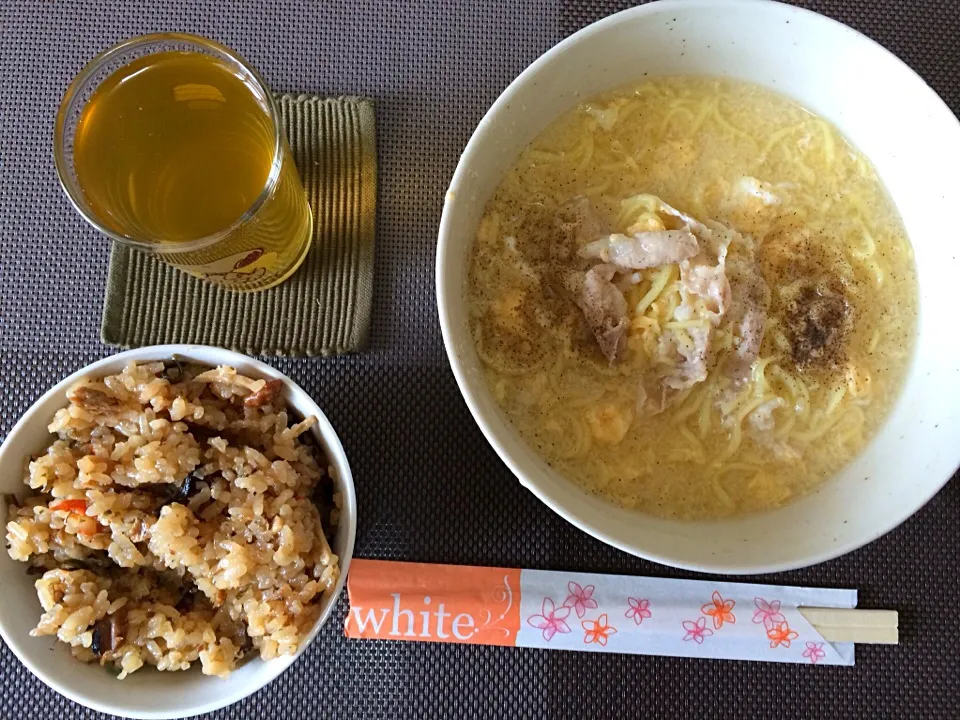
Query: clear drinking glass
point(172, 144)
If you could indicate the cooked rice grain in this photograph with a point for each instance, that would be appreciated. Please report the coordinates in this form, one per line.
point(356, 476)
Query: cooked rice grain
point(175, 522)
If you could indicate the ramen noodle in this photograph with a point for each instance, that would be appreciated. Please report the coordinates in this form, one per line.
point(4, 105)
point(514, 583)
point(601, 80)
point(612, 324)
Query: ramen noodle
point(693, 298)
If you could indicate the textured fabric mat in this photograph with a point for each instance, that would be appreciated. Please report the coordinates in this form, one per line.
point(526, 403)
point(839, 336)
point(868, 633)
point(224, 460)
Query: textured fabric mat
point(324, 308)
point(429, 487)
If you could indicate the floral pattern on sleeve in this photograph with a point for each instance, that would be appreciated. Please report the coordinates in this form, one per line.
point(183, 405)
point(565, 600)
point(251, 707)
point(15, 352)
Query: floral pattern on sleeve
point(551, 620)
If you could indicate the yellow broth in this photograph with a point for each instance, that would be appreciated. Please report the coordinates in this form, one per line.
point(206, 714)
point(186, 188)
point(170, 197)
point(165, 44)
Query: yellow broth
point(811, 210)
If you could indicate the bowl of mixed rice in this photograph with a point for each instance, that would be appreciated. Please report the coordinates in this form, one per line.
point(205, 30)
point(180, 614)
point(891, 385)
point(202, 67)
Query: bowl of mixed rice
point(179, 522)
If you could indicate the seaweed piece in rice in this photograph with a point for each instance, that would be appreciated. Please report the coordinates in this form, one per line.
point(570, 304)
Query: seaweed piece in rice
point(182, 493)
point(189, 600)
point(186, 489)
point(107, 636)
point(173, 370)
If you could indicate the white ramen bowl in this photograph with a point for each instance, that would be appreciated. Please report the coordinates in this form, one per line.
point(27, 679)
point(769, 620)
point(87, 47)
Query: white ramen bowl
point(883, 108)
point(148, 693)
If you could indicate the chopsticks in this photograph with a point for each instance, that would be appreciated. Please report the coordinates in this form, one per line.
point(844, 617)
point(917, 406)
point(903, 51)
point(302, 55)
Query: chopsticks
point(875, 627)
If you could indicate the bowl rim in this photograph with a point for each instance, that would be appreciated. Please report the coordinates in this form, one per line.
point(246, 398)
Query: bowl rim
point(447, 239)
point(348, 513)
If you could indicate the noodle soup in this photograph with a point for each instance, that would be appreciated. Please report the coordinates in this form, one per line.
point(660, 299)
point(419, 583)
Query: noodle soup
point(693, 298)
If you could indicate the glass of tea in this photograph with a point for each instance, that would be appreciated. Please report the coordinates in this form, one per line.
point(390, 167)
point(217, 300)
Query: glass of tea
point(172, 144)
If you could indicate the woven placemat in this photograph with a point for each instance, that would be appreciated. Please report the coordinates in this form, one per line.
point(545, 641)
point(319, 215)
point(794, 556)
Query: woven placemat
point(429, 486)
point(324, 309)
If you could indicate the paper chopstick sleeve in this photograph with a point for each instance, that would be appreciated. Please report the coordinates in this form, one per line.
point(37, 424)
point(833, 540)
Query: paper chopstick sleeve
point(433, 603)
point(591, 612)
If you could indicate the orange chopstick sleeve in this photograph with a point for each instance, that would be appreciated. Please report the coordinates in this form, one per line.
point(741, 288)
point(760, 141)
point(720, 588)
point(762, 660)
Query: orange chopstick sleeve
point(433, 603)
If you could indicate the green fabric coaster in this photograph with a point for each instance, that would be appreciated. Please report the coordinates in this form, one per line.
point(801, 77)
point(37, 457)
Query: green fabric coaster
point(324, 309)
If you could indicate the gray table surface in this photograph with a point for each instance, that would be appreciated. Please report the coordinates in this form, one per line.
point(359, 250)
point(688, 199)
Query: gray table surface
point(429, 487)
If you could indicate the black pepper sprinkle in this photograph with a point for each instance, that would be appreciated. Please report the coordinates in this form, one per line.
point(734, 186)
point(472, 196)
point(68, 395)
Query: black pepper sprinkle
point(817, 328)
